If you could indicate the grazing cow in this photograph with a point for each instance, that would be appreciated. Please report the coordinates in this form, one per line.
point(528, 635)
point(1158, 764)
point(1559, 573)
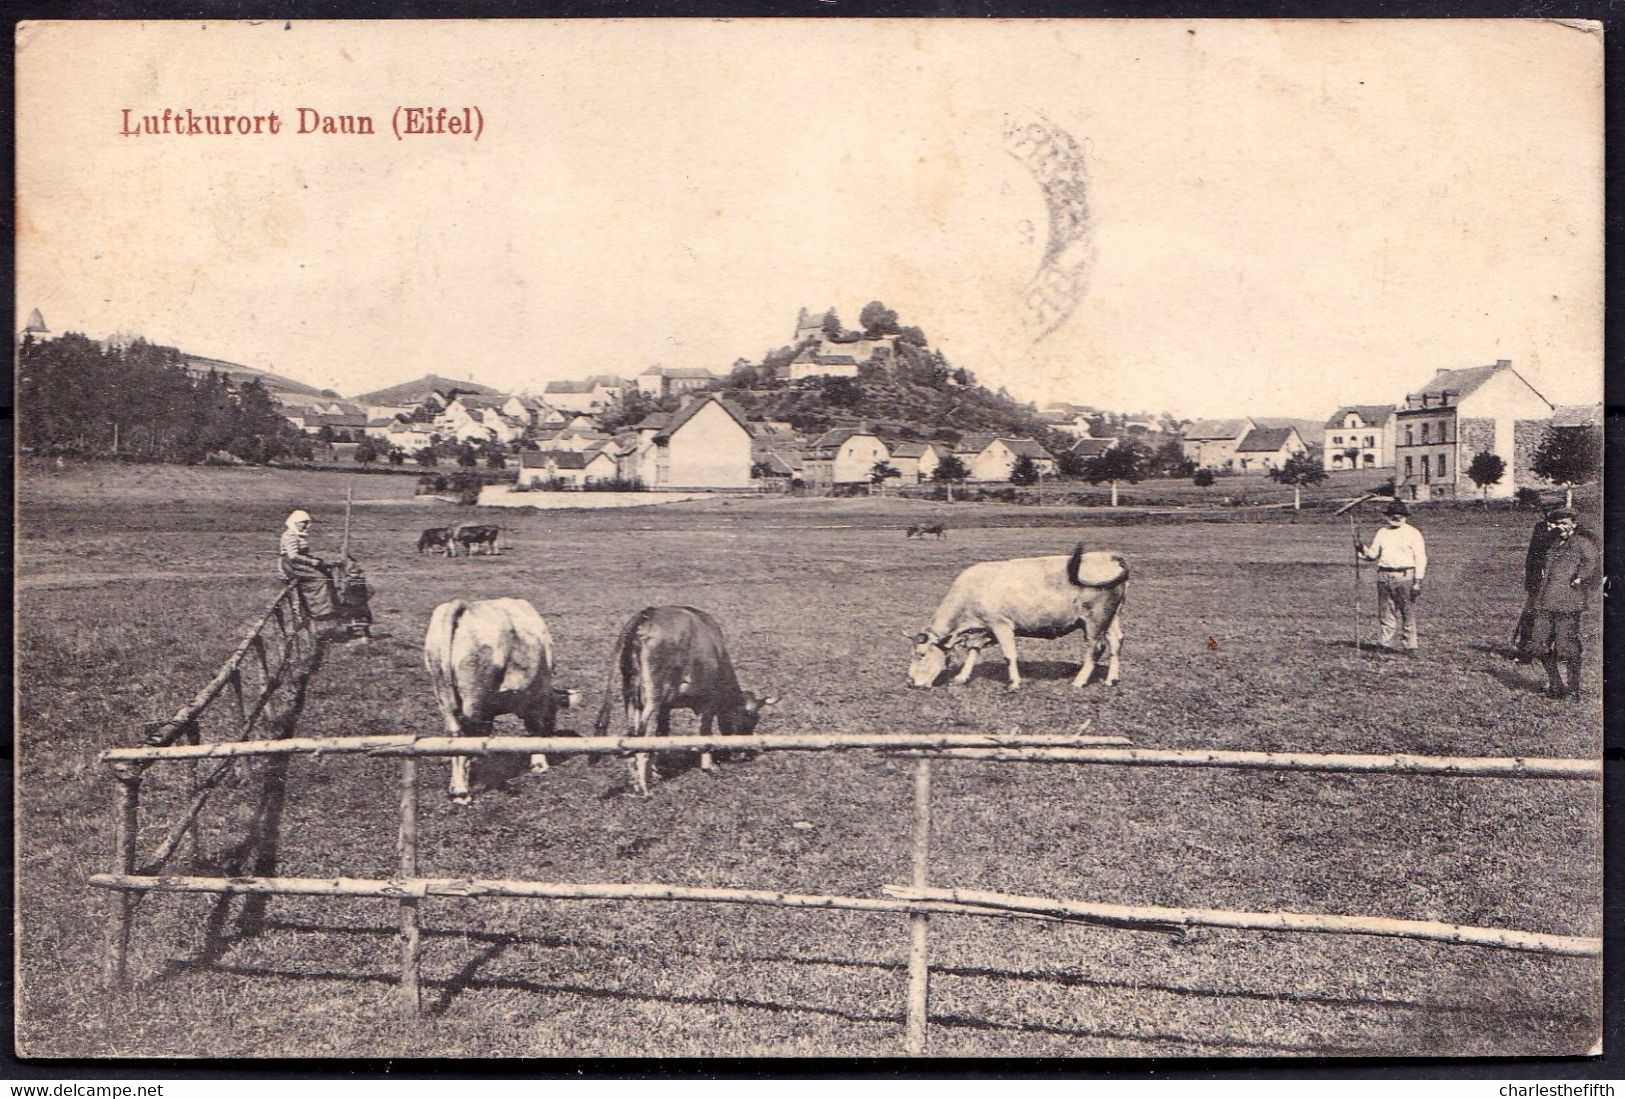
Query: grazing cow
point(435, 538)
point(923, 529)
point(1045, 597)
point(491, 657)
point(471, 535)
point(674, 658)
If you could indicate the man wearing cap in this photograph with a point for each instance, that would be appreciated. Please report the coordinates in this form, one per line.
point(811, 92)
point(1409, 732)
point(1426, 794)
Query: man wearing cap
point(1402, 562)
point(299, 565)
point(1573, 566)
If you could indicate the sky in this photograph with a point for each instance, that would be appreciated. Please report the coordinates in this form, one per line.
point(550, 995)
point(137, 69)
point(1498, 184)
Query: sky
point(1282, 217)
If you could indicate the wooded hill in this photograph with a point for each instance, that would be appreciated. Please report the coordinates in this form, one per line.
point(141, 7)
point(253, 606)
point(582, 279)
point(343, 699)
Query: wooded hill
point(915, 394)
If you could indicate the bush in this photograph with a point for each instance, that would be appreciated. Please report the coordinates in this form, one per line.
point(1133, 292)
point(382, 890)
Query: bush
point(1529, 498)
point(1203, 478)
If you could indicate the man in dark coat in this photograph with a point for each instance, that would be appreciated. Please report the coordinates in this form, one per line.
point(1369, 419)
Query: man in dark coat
point(1572, 568)
point(1534, 567)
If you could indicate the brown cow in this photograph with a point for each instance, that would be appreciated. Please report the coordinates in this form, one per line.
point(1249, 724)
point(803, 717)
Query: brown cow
point(674, 658)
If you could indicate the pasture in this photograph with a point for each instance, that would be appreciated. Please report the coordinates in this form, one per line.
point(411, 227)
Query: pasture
point(134, 582)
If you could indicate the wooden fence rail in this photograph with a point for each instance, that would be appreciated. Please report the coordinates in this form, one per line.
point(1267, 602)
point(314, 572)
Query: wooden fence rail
point(405, 744)
point(1589, 770)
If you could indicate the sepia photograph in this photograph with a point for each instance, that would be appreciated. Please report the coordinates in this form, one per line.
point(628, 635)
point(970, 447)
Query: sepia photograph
point(808, 538)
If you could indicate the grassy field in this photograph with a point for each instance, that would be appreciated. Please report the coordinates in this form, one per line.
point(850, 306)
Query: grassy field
point(133, 583)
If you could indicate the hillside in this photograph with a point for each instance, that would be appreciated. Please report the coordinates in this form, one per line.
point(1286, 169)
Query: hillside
point(275, 384)
point(891, 405)
point(414, 391)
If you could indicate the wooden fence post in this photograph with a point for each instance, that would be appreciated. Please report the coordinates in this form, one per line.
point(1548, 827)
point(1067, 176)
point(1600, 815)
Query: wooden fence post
point(122, 904)
point(407, 848)
point(919, 968)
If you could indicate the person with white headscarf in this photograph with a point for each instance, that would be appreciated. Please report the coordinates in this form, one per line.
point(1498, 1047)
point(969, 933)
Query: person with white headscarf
point(298, 565)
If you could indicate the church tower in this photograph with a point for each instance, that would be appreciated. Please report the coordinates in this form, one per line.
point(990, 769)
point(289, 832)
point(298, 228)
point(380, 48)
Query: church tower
point(36, 328)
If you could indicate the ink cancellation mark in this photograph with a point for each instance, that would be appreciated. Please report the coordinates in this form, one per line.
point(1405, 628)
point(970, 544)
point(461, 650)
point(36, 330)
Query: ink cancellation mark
point(1059, 166)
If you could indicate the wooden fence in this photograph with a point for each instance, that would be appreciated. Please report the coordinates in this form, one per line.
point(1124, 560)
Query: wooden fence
point(271, 665)
point(918, 900)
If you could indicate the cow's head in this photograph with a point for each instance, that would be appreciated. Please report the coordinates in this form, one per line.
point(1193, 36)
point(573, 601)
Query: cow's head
point(750, 710)
point(930, 659)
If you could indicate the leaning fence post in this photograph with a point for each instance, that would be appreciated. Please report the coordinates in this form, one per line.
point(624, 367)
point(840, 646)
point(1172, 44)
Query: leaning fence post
point(407, 847)
point(122, 904)
point(919, 970)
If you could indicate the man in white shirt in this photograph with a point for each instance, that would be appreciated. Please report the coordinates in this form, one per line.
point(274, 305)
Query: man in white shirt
point(1402, 562)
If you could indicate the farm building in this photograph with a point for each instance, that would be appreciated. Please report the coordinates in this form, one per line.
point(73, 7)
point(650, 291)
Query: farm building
point(1269, 448)
point(1458, 414)
point(1092, 448)
point(1212, 444)
point(1360, 436)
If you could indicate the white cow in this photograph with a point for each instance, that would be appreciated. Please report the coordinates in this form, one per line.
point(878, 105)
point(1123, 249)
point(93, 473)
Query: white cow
point(491, 657)
point(1047, 597)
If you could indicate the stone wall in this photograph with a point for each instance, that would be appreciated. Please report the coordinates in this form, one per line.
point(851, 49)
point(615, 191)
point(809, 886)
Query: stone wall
point(1526, 438)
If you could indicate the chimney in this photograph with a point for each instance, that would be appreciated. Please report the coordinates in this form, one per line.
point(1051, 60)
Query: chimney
point(1503, 362)
point(1441, 370)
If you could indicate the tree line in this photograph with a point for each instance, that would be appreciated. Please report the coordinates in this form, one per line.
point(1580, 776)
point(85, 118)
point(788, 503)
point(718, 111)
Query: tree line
point(78, 397)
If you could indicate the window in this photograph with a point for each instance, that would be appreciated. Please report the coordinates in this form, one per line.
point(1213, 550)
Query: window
point(1407, 465)
point(1370, 440)
point(1337, 439)
point(1426, 427)
point(1441, 465)
point(1410, 439)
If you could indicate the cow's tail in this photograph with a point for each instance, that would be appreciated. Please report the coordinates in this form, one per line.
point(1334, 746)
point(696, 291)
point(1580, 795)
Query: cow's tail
point(438, 641)
point(1076, 560)
point(617, 677)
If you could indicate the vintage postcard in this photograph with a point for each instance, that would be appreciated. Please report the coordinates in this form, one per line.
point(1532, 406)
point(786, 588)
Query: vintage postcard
point(1099, 523)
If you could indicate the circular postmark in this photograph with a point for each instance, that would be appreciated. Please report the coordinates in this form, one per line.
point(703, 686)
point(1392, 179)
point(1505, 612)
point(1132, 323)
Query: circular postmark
point(1058, 163)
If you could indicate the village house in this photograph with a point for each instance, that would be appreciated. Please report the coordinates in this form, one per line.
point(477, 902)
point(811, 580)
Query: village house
point(378, 427)
point(524, 408)
point(568, 468)
point(1359, 436)
point(660, 382)
point(411, 437)
point(1265, 448)
point(811, 364)
point(1092, 448)
point(1212, 444)
point(595, 394)
point(993, 457)
point(1459, 414)
point(704, 444)
point(473, 417)
point(844, 456)
point(916, 461)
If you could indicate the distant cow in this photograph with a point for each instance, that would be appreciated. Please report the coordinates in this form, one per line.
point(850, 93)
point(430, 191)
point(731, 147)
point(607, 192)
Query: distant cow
point(921, 531)
point(674, 658)
point(435, 538)
point(491, 657)
point(1047, 597)
point(471, 535)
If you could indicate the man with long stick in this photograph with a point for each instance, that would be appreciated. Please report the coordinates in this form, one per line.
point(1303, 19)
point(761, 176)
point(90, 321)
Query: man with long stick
point(1348, 509)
